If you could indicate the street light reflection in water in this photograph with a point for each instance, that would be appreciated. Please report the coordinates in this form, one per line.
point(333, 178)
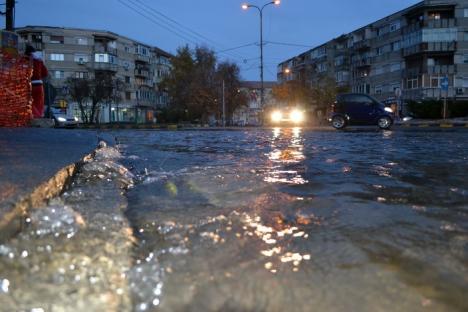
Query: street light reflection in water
point(285, 164)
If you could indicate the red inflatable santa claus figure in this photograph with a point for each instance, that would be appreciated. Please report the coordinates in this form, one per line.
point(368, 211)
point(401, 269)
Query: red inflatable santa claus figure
point(40, 72)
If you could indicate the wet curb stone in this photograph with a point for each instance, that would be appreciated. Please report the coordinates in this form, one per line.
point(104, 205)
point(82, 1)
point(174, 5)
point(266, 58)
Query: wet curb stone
point(73, 253)
point(35, 165)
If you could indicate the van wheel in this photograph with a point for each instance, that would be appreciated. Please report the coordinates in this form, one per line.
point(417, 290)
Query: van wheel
point(384, 122)
point(338, 122)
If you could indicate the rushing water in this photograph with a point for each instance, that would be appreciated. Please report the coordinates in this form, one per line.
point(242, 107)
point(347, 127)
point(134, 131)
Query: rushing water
point(293, 220)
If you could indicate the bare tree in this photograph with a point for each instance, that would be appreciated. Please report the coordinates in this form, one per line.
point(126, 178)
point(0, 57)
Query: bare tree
point(79, 91)
point(91, 93)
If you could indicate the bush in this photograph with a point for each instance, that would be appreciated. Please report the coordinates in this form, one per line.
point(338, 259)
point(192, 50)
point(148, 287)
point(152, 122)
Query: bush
point(426, 109)
point(458, 109)
point(433, 109)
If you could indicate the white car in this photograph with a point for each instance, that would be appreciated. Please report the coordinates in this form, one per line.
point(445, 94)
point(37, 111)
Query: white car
point(62, 119)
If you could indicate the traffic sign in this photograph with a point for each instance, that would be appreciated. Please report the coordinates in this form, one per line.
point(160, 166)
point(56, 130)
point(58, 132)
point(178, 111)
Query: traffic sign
point(444, 84)
point(398, 92)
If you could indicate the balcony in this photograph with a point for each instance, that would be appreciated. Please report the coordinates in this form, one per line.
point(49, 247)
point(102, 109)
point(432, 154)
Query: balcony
point(362, 45)
point(428, 47)
point(430, 70)
point(142, 58)
point(105, 50)
point(441, 69)
point(364, 62)
point(142, 72)
point(440, 23)
point(105, 66)
point(431, 24)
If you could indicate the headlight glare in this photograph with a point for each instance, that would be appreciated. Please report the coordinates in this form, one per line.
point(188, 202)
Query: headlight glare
point(276, 116)
point(297, 116)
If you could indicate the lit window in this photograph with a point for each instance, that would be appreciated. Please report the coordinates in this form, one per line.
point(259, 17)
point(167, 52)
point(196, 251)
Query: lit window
point(57, 57)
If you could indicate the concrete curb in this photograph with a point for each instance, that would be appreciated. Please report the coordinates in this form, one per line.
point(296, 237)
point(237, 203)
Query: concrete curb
point(13, 221)
point(434, 125)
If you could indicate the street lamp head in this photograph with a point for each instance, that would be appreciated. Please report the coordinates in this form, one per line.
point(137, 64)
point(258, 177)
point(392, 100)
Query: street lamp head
point(277, 2)
point(287, 71)
point(245, 6)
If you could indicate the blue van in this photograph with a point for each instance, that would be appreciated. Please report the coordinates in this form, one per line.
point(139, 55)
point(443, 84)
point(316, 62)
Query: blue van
point(360, 109)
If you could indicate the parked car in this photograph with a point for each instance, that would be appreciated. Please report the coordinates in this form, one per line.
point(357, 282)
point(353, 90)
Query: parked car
point(62, 119)
point(360, 109)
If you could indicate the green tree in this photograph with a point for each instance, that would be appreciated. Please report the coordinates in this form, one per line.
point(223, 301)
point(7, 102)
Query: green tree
point(195, 85)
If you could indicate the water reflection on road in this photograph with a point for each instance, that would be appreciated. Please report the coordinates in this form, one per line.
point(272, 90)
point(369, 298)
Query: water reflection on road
point(287, 219)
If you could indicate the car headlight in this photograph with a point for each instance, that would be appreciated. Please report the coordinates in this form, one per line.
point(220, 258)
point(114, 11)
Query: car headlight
point(388, 110)
point(297, 116)
point(276, 116)
point(61, 119)
point(76, 118)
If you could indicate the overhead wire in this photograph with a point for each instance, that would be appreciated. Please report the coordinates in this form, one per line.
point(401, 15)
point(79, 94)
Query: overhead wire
point(187, 34)
point(186, 30)
point(290, 44)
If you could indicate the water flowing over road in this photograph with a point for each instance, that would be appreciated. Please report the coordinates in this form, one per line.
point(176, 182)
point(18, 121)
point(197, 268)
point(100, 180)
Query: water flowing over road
point(287, 219)
point(255, 220)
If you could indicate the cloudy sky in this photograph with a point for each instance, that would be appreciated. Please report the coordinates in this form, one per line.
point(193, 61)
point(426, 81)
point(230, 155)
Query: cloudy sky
point(289, 29)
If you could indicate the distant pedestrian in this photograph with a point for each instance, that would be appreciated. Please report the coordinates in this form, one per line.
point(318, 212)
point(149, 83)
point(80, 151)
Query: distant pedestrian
point(40, 72)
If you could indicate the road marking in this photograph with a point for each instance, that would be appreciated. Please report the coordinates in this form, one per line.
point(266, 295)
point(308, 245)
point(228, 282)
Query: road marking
point(446, 125)
point(424, 126)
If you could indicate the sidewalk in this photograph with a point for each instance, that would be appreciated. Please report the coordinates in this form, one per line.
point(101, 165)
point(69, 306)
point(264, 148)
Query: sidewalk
point(38, 162)
point(440, 123)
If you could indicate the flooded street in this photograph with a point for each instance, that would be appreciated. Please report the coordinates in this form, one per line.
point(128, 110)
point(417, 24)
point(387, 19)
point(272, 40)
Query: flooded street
point(255, 220)
point(286, 219)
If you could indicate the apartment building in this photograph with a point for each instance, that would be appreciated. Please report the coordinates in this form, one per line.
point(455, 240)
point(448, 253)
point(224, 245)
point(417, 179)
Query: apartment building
point(251, 115)
point(408, 54)
point(84, 53)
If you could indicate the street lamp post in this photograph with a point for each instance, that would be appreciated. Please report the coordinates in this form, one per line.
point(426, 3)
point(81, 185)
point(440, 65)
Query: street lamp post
point(246, 6)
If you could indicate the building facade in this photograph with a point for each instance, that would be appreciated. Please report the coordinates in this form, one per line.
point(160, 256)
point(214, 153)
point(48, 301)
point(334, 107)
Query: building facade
point(251, 115)
point(407, 54)
point(84, 53)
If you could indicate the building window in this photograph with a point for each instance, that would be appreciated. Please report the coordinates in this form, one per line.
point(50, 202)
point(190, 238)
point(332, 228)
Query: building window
point(81, 41)
point(434, 16)
point(380, 51)
point(57, 57)
point(395, 26)
point(466, 13)
point(128, 95)
point(59, 74)
point(56, 39)
point(104, 58)
point(127, 49)
point(378, 89)
point(395, 46)
point(81, 58)
point(435, 81)
point(81, 75)
point(395, 67)
point(127, 79)
point(412, 83)
point(440, 35)
point(322, 67)
point(465, 58)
